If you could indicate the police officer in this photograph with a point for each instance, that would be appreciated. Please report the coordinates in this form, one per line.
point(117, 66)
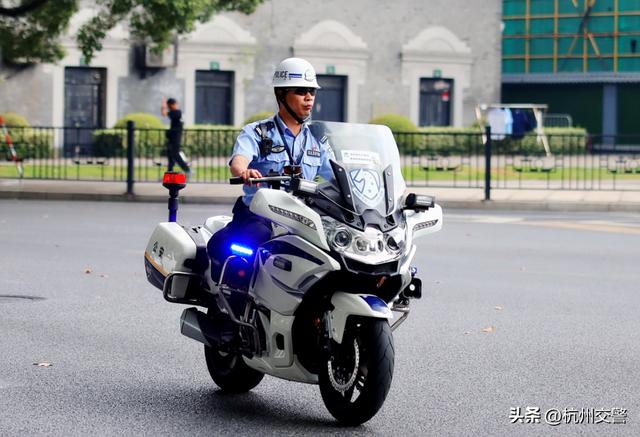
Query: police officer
point(268, 146)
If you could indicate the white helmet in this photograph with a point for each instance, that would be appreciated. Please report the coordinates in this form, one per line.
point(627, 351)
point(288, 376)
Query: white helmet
point(295, 72)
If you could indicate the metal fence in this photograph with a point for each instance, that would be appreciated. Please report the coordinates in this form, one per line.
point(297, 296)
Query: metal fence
point(461, 159)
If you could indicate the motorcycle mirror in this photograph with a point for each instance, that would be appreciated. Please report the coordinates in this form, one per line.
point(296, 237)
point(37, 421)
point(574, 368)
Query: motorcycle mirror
point(419, 202)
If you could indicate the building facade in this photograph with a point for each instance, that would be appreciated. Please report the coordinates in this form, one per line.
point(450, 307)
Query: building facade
point(581, 57)
point(430, 60)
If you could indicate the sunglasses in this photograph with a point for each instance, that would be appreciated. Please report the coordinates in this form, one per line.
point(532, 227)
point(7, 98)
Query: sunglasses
point(301, 91)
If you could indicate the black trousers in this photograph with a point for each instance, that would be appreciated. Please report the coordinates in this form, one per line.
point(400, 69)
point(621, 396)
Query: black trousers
point(246, 228)
point(174, 139)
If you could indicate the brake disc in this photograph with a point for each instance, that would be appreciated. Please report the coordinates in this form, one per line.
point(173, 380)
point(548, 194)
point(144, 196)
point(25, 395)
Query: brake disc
point(340, 386)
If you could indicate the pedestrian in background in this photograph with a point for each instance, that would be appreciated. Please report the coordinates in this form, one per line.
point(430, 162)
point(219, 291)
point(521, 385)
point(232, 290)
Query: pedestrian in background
point(174, 135)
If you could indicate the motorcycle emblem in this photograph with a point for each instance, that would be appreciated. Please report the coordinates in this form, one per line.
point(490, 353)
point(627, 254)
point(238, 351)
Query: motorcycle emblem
point(367, 186)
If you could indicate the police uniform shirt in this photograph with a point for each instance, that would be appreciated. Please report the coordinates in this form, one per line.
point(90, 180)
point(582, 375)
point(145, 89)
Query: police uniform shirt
point(308, 152)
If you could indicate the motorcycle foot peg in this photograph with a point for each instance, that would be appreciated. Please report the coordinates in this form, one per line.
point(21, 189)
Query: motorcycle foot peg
point(414, 289)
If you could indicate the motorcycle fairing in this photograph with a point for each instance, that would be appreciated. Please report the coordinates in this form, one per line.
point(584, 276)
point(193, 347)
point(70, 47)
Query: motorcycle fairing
point(281, 363)
point(308, 265)
point(290, 213)
point(349, 304)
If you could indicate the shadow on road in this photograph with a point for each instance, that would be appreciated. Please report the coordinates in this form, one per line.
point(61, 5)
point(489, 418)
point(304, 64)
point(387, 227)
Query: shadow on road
point(272, 410)
point(208, 408)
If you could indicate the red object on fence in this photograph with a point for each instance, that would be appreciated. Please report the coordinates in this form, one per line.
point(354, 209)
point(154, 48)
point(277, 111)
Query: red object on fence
point(12, 150)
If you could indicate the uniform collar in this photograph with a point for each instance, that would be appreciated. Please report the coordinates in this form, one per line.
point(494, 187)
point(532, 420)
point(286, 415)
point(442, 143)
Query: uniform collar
point(285, 128)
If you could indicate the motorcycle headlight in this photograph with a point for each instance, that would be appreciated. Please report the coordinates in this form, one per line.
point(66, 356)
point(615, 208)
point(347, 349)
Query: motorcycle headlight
point(342, 238)
point(371, 246)
point(393, 245)
point(361, 244)
point(338, 236)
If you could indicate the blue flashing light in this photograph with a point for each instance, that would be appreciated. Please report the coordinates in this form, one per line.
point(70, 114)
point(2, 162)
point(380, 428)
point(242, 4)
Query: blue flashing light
point(237, 249)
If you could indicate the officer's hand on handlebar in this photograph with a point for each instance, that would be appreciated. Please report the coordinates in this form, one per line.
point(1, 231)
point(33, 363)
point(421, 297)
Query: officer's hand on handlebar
point(250, 173)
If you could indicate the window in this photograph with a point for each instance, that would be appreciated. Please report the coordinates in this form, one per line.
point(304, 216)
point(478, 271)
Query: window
point(541, 66)
point(214, 97)
point(435, 102)
point(330, 99)
point(513, 66)
point(84, 108)
point(541, 7)
point(541, 46)
point(514, 7)
point(558, 36)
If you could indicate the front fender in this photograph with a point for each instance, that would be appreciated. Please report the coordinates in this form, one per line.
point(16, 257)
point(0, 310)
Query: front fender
point(347, 304)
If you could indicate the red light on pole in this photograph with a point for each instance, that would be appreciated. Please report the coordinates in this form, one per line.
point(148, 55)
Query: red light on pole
point(173, 178)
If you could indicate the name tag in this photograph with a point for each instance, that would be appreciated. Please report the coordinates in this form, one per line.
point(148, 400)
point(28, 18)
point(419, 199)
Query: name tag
point(314, 153)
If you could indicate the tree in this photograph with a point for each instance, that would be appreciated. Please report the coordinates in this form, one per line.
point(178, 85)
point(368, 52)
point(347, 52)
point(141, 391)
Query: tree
point(18, 10)
point(30, 29)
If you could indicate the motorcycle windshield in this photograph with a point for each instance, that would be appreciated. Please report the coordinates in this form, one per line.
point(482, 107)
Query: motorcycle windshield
point(369, 155)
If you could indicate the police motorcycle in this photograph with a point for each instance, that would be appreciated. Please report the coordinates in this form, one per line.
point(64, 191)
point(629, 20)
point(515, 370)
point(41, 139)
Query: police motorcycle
point(318, 302)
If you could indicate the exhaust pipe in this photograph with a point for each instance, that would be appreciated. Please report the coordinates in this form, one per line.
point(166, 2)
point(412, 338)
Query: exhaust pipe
point(219, 331)
point(197, 325)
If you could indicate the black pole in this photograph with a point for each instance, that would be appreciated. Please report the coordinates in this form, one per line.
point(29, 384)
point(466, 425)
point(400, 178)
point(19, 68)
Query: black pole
point(130, 154)
point(487, 164)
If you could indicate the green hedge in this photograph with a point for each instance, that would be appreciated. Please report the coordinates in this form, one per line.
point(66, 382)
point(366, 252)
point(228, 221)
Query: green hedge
point(395, 122)
point(31, 143)
point(451, 141)
point(108, 143)
point(439, 140)
point(15, 120)
point(403, 130)
point(149, 136)
point(113, 142)
point(562, 141)
point(143, 120)
point(209, 140)
point(258, 116)
point(213, 140)
point(199, 140)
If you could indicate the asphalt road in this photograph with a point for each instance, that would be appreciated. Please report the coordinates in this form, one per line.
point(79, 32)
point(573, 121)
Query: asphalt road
point(521, 310)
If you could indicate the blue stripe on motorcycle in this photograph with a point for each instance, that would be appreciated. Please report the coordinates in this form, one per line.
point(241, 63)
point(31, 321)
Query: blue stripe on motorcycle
point(376, 304)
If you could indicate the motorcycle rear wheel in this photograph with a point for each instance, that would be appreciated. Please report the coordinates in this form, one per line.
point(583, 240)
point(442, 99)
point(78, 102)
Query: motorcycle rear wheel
point(356, 380)
point(229, 371)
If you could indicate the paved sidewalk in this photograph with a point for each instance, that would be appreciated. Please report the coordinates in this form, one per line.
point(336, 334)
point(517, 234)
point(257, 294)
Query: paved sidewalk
point(556, 200)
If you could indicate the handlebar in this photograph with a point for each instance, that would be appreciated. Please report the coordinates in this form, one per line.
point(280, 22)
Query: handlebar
point(237, 180)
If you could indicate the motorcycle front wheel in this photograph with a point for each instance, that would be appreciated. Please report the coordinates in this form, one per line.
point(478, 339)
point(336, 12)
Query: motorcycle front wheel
point(356, 379)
